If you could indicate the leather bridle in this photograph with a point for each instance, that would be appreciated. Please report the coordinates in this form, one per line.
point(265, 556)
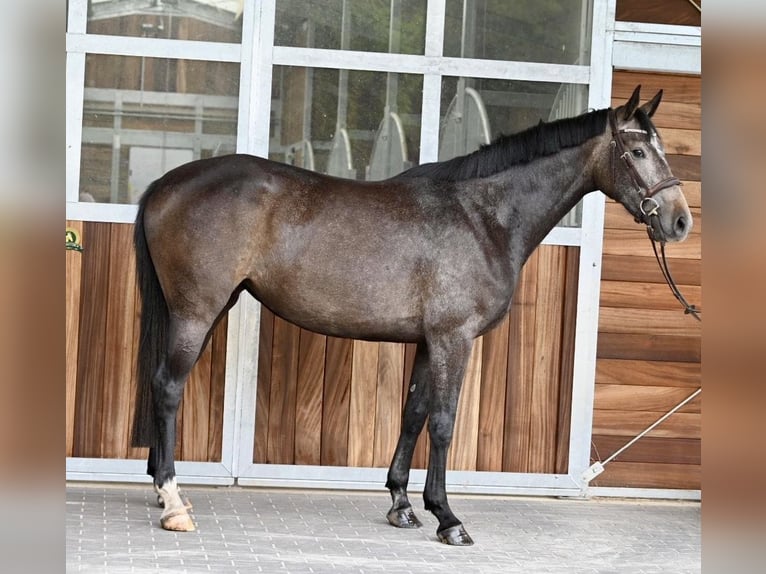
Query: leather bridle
point(648, 206)
point(647, 192)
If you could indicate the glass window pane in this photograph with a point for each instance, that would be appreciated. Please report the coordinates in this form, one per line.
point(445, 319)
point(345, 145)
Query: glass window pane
point(394, 26)
point(204, 20)
point(545, 31)
point(475, 112)
point(361, 125)
point(144, 116)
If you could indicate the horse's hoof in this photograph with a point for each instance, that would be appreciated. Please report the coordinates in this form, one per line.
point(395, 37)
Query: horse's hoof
point(403, 518)
point(455, 536)
point(178, 521)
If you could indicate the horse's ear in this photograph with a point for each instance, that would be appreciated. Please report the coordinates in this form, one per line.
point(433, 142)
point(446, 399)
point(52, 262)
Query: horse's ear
point(651, 106)
point(630, 108)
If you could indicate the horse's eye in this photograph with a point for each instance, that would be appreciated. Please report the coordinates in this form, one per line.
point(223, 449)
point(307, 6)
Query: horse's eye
point(638, 152)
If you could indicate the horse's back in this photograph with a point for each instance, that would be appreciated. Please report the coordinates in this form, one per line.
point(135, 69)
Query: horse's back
point(362, 259)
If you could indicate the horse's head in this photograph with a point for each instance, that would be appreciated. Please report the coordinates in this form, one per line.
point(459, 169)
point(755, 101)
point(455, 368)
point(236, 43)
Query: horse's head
point(637, 173)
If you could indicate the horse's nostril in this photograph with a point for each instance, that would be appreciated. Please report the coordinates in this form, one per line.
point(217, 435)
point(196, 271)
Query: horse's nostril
point(680, 224)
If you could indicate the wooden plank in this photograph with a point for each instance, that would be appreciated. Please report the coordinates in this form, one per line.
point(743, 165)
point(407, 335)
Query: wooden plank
point(648, 347)
point(675, 87)
point(648, 450)
point(462, 451)
point(644, 398)
point(564, 416)
point(650, 475)
point(119, 354)
point(682, 141)
point(90, 358)
point(263, 389)
point(521, 341)
point(680, 12)
point(388, 404)
point(685, 166)
point(635, 243)
point(284, 377)
point(692, 192)
point(648, 321)
point(336, 402)
point(648, 373)
point(630, 423)
point(627, 294)
point(617, 217)
point(547, 358)
point(308, 402)
point(361, 424)
point(684, 115)
point(494, 366)
point(646, 269)
point(73, 293)
point(217, 387)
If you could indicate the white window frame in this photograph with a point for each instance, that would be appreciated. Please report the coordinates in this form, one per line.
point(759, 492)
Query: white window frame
point(257, 55)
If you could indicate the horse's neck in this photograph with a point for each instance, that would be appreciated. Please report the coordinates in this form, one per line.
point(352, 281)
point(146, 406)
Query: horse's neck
point(535, 196)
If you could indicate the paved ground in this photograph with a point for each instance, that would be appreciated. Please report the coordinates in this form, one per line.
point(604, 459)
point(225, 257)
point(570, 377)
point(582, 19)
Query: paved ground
point(114, 529)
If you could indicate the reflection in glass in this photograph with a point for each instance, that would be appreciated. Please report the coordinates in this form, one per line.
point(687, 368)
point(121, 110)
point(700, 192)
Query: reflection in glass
point(360, 125)
point(476, 111)
point(144, 116)
point(546, 31)
point(395, 26)
point(204, 20)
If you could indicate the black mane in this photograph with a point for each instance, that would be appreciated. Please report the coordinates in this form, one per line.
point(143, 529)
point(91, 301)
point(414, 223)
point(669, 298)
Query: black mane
point(509, 150)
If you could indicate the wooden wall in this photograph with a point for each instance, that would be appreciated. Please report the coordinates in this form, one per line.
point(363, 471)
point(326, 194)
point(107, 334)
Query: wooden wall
point(102, 337)
point(328, 401)
point(649, 352)
point(659, 12)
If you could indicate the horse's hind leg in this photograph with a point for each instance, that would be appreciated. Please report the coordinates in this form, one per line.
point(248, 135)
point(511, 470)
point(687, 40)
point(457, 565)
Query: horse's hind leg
point(401, 514)
point(152, 470)
point(186, 340)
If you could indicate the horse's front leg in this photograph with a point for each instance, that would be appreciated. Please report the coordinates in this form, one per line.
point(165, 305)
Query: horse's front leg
point(401, 514)
point(447, 363)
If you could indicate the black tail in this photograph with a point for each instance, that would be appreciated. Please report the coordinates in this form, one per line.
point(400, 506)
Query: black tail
point(153, 337)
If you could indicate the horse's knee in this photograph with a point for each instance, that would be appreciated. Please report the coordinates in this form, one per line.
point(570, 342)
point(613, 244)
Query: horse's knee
point(440, 429)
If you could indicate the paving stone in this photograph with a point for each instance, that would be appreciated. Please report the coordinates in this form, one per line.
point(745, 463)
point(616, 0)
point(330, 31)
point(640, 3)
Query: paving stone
point(114, 529)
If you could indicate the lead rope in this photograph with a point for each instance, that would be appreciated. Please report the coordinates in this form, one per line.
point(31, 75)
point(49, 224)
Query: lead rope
point(689, 309)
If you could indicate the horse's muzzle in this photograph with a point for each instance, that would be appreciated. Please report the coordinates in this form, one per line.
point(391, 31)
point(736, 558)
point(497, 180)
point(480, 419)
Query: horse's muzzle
point(670, 225)
point(668, 218)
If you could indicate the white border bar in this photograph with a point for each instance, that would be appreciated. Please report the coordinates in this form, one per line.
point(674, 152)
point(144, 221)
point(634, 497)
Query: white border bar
point(75, 88)
point(352, 478)
point(589, 278)
point(132, 470)
point(653, 493)
point(153, 47)
point(657, 48)
point(418, 64)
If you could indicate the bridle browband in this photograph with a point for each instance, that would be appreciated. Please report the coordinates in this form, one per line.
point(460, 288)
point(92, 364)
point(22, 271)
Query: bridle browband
point(649, 213)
